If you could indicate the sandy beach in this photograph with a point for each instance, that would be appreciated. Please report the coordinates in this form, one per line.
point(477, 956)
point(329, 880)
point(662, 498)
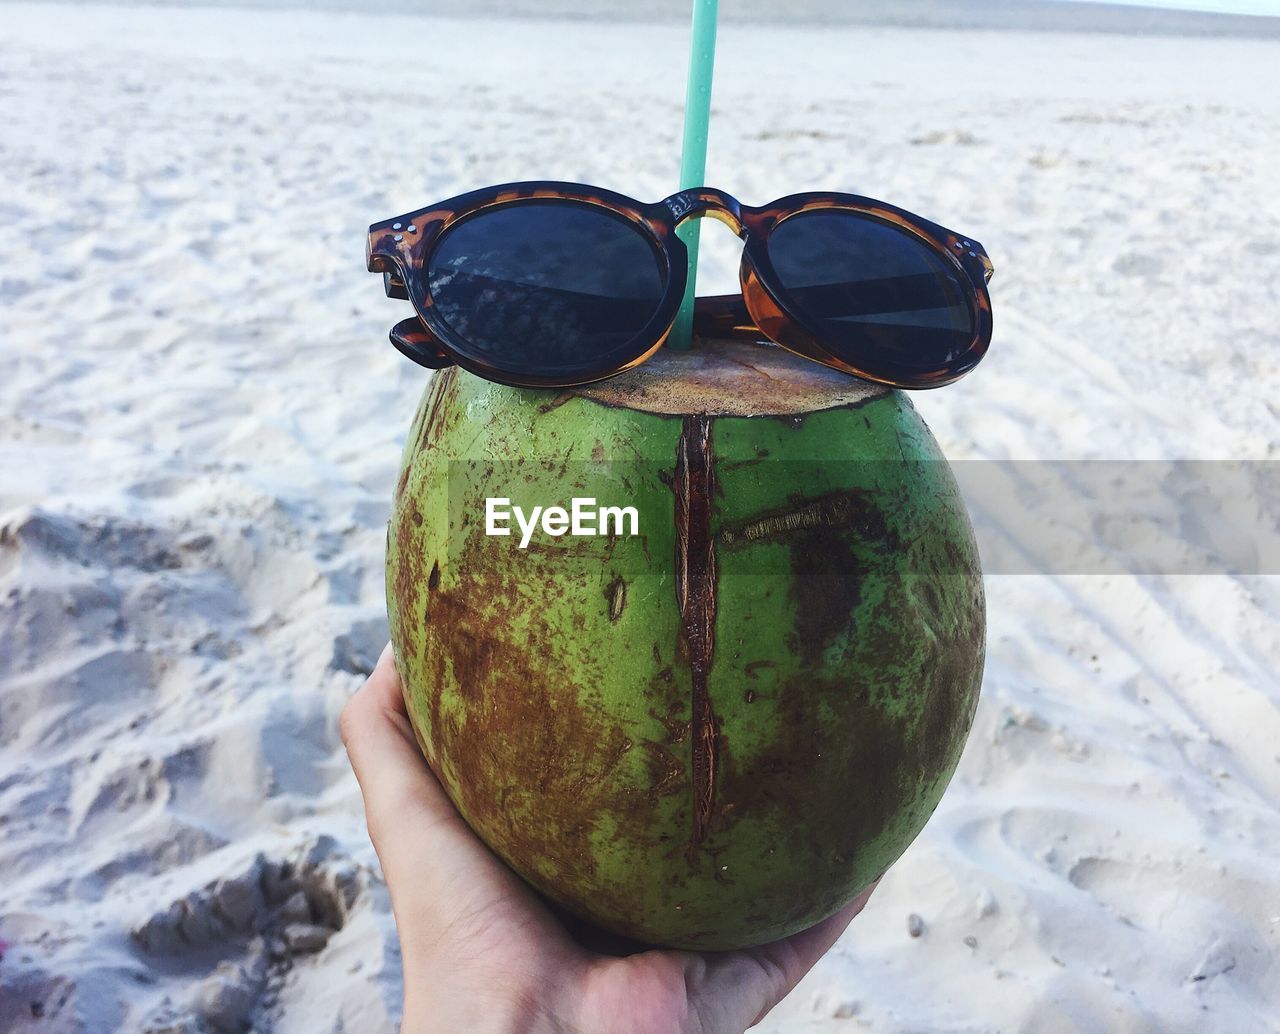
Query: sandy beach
point(201, 422)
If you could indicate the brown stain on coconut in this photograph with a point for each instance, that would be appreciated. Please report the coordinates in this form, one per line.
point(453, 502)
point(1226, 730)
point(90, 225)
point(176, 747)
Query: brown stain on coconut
point(408, 576)
point(508, 741)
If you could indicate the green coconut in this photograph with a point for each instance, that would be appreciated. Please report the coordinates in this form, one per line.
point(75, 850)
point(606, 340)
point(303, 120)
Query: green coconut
point(718, 730)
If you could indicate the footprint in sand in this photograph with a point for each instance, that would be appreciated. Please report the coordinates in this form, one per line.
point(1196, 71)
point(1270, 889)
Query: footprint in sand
point(246, 933)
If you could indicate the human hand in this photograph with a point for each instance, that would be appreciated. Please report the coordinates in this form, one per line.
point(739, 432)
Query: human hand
point(483, 953)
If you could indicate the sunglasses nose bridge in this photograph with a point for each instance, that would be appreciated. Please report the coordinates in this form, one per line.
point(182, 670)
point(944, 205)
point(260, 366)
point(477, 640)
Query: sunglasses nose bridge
point(728, 218)
point(707, 201)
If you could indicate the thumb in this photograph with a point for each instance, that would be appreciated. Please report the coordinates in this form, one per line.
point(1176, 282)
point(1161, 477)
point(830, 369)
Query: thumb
point(435, 866)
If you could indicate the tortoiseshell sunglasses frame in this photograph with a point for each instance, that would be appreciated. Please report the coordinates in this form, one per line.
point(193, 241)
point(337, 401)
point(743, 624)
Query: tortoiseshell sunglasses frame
point(400, 249)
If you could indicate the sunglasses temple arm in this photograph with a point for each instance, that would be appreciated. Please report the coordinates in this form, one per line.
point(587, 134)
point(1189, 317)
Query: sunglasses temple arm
point(723, 316)
point(413, 340)
point(726, 315)
point(394, 286)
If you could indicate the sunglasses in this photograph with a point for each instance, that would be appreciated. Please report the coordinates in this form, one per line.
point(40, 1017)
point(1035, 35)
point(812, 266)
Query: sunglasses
point(550, 284)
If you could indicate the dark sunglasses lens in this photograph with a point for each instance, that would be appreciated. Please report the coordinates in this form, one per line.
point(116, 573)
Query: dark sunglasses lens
point(882, 299)
point(553, 289)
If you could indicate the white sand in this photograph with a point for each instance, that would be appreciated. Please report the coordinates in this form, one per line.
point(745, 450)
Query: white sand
point(200, 423)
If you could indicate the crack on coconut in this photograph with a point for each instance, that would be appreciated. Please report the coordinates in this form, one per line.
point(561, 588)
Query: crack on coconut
point(694, 486)
point(755, 369)
point(438, 389)
point(557, 402)
point(836, 510)
point(616, 594)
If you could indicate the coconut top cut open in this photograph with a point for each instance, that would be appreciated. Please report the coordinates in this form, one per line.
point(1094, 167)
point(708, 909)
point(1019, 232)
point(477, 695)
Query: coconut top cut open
point(730, 378)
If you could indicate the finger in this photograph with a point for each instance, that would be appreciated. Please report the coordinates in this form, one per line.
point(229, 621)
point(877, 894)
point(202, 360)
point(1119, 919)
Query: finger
point(738, 989)
point(799, 953)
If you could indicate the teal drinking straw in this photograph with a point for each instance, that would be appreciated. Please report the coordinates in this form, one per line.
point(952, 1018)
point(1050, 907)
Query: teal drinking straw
point(693, 158)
